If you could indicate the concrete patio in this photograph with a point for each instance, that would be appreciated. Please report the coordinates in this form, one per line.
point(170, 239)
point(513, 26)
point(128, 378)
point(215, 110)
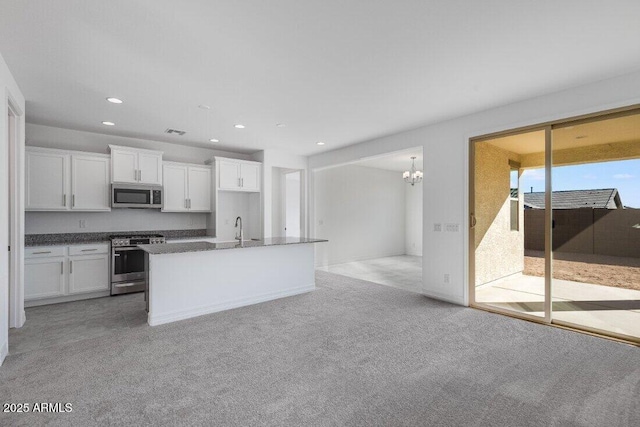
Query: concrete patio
point(600, 307)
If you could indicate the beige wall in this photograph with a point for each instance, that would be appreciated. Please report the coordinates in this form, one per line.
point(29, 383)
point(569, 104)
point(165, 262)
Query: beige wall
point(499, 250)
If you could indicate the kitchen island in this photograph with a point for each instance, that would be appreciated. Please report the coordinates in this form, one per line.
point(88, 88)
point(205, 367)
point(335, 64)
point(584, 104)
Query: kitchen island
point(191, 279)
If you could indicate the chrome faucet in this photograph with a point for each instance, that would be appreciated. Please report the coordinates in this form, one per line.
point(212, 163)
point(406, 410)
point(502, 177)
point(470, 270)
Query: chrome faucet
point(240, 236)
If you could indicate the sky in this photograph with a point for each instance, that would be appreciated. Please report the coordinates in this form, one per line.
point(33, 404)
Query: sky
point(623, 175)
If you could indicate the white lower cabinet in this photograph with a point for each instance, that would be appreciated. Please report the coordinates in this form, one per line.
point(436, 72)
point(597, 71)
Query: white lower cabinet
point(88, 273)
point(44, 278)
point(63, 271)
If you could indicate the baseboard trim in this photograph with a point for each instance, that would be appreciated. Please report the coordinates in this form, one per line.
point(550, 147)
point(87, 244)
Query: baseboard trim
point(227, 305)
point(66, 298)
point(442, 297)
point(4, 352)
point(358, 259)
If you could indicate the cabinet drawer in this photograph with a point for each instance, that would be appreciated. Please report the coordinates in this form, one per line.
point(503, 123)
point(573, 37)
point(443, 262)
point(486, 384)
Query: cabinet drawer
point(44, 251)
point(100, 248)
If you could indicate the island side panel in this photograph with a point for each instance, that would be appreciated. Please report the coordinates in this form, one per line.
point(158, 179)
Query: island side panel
point(185, 285)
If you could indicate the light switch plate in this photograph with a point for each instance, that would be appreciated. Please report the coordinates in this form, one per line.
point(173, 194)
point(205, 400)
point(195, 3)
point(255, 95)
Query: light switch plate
point(452, 228)
point(437, 227)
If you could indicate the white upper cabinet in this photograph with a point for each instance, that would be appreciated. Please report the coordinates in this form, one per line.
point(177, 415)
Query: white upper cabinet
point(90, 183)
point(47, 176)
point(135, 166)
point(150, 168)
point(237, 175)
point(250, 176)
point(175, 188)
point(124, 166)
point(228, 175)
point(187, 188)
point(58, 180)
point(199, 189)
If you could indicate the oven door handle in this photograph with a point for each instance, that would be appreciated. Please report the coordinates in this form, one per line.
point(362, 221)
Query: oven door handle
point(127, 285)
point(128, 248)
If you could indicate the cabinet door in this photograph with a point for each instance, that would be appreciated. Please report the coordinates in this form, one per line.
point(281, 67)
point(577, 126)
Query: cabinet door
point(228, 175)
point(124, 166)
point(250, 177)
point(175, 188)
point(47, 177)
point(89, 273)
point(44, 278)
point(199, 189)
point(150, 167)
point(90, 183)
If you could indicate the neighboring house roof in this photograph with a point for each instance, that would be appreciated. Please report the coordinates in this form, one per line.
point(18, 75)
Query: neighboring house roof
point(607, 198)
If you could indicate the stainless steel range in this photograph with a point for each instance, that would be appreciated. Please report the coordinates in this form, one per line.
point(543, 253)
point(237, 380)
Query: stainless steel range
point(128, 272)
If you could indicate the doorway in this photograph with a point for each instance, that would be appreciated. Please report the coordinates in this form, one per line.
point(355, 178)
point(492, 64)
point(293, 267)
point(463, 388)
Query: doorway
point(555, 229)
point(371, 213)
point(287, 216)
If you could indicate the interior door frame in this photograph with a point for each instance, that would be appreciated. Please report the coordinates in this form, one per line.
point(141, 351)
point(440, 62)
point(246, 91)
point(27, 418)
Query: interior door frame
point(548, 128)
point(15, 159)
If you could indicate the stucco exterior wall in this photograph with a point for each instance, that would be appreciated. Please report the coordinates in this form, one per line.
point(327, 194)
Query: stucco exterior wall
point(499, 250)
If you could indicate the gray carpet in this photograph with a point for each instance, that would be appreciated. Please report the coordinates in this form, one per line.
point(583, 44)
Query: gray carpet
point(350, 353)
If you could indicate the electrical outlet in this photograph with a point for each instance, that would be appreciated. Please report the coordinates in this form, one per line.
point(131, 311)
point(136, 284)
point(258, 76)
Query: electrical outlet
point(446, 278)
point(321, 222)
point(226, 221)
point(437, 227)
point(82, 223)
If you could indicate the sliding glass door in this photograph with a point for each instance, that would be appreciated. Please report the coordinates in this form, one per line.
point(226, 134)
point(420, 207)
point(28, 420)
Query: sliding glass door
point(555, 224)
point(509, 263)
point(596, 217)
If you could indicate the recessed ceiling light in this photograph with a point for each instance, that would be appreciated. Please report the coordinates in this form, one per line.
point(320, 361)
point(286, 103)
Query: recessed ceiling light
point(214, 140)
point(319, 143)
point(280, 125)
point(238, 126)
point(114, 100)
point(204, 107)
point(108, 123)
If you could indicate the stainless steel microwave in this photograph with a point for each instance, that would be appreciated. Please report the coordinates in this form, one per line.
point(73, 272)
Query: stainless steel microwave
point(136, 196)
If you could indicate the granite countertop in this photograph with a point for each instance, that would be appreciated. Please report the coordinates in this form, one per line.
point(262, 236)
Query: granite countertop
point(72, 243)
point(66, 239)
point(177, 248)
point(177, 239)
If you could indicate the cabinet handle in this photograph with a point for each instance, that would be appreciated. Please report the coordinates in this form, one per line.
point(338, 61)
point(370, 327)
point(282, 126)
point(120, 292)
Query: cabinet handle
point(89, 250)
point(73, 200)
point(61, 267)
point(186, 205)
point(189, 203)
point(64, 200)
point(139, 174)
point(239, 183)
point(242, 181)
point(70, 267)
point(42, 252)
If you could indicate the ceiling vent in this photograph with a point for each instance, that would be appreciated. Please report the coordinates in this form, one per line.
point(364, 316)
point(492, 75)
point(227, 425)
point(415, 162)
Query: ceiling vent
point(175, 131)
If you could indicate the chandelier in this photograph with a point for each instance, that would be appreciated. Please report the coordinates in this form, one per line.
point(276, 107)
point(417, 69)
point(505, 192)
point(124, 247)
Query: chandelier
point(412, 176)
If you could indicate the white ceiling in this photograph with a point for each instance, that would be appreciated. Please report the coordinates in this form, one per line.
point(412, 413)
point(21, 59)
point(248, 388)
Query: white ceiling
point(398, 161)
point(331, 70)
